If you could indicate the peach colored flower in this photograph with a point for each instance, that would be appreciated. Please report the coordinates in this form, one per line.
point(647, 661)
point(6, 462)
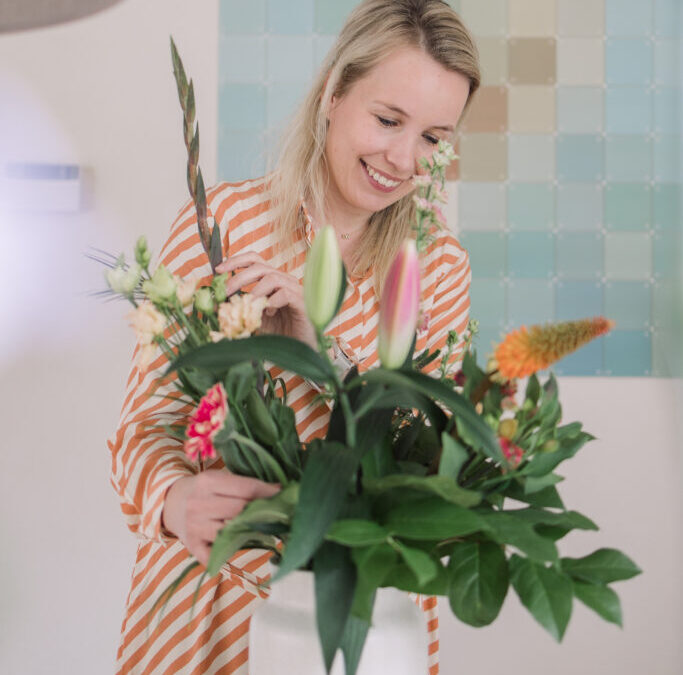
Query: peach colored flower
point(147, 321)
point(240, 316)
point(185, 289)
point(205, 422)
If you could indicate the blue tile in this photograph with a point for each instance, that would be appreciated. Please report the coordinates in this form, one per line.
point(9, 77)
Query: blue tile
point(240, 156)
point(290, 18)
point(531, 255)
point(667, 205)
point(666, 62)
point(628, 61)
point(667, 159)
point(628, 206)
point(628, 303)
point(580, 158)
point(241, 59)
point(628, 17)
point(242, 106)
point(487, 302)
point(588, 360)
point(481, 206)
point(530, 302)
point(628, 353)
point(628, 255)
point(664, 293)
point(331, 14)
point(666, 253)
point(487, 253)
point(531, 206)
point(242, 18)
point(486, 341)
point(579, 255)
point(580, 110)
point(667, 110)
point(290, 58)
point(628, 158)
point(322, 45)
point(667, 17)
point(531, 157)
point(579, 207)
point(628, 110)
point(283, 100)
point(578, 300)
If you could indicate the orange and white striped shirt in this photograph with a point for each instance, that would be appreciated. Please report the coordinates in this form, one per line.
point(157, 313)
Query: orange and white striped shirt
point(146, 461)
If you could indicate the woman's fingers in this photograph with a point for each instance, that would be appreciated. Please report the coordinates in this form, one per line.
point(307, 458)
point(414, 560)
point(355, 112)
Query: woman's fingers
point(240, 260)
point(241, 487)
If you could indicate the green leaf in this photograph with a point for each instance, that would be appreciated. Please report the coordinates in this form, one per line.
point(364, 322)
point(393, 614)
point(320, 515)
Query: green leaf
point(533, 484)
point(443, 486)
point(353, 640)
point(422, 565)
point(547, 497)
point(216, 250)
point(432, 518)
point(354, 532)
point(601, 599)
point(453, 456)
point(571, 519)
point(403, 578)
point(373, 564)
point(479, 581)
point(533, 389)
point(229, 541)
point(285, 352)
point(544, 592)
point(239, 381)
point(506, 528)
point(179, 73)
point(543, 463)
point(601, 567)
point(328, 472)
point(335, 581)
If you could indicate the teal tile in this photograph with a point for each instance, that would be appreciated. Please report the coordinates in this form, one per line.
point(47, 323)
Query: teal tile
point(531, 157)
point(628, 61)
point(667, 356)
point(239, 18)
point(240, 155)
point(283, 100)
point(579, 255)
point(628, 353)
point(531, 255)
point(579, 207)
point(628, 256)
point(629, 304)
point(628, 206)
point(667, 205)
point(580, 110)
point(242, 106)
point(667, 159)
point(486, 341)
point(628, 17)
point(666, 110)
point(663, 303)
point(241, 59)
point(667, 18)
point(667, 253)
point(481, 206)
point(586, 361)
point(487, 302)
point(666, 62)
point(530, 302)
point(628, 158)
point(580, 158)
point(577, 300)
point(290, 58)
point(322, 45)
point(487, 253)
point(290, 18)
point(628, 110)
point(331, 14)
point(531, 206)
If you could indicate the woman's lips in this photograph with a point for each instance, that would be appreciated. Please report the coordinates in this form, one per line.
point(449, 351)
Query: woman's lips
point(376, 184)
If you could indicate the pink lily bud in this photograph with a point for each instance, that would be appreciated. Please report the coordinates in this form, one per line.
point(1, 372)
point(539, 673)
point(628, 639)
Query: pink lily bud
point(399, 307)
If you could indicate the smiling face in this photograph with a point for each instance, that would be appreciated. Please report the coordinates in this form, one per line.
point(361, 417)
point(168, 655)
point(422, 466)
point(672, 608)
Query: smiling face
point(382, 126)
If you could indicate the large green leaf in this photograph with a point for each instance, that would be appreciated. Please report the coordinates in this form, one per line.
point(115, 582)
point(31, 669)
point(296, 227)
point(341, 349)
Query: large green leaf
point(453, 456)
point(354, 532)
point(353, 640)
point(443, 486)
point(421, 564)
point(327, 475)
point(544, 463)
point(544, 592)
point(571, 519)
point(373, 564)
point(285, 352)
point(506, 528)
point(533, 484)
point(601, 567)
point(548, 497)
point(601, 599)
point(335, 581)
point(479, 581)
point(403, 578)
point(234, 539)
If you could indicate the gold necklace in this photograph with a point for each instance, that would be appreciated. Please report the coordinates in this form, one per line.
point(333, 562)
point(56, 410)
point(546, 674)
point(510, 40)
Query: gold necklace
point(345, 236)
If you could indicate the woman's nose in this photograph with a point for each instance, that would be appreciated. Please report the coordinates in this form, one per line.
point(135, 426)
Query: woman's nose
point(403, 157)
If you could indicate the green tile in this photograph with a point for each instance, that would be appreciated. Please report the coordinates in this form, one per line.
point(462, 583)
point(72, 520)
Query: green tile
point(330, 15)
point(578, 300)
point(667, 253)
point(580, 157)
point(628, 206)
point(531, 255)
point(292, 18)
point(667, 160)
point(667, 205)
point(487, 253)
point(664, 303)
point(486, 341)
point(588, 360)
point(628, 353)
point(487, 302)
point(579, 206)
point(242, 106)
point(531, 206)
point(628, 158)
point(579, 255)
point(530, 302)
point(629, 304)
point(628, 256)
point(242, 18)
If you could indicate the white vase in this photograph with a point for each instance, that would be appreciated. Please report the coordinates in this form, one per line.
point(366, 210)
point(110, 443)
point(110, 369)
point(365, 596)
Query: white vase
point(283, 637)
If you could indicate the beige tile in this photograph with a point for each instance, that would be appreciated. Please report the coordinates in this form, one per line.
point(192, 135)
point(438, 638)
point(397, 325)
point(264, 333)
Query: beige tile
point(532, 61)
point(580, 18)
point(531, 18)
point(485, 17)
point(531, 109)
point(483, 157)
point(488, 111)
point(580, 61)
point(493, 60)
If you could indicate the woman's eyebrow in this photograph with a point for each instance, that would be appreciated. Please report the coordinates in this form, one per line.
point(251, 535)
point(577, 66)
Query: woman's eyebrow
point(396, 109)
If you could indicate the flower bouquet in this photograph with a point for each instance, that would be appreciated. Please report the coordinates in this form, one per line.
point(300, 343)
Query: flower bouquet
point(441, 485)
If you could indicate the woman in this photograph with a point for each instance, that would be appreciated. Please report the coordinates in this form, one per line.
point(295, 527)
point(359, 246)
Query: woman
point(398, 80)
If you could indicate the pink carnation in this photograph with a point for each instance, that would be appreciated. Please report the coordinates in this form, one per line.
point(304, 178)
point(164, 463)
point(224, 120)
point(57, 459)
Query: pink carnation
point(512, 453)
point(205, 422)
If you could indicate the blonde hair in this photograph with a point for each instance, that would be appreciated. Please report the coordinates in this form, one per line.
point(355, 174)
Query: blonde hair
point(373, 30)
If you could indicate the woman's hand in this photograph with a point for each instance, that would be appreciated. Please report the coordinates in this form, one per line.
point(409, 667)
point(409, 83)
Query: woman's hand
point(196, 507)
point(285, 313)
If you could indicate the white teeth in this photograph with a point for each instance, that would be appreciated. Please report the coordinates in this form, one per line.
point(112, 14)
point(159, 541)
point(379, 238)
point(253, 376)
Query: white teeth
point(381, 179)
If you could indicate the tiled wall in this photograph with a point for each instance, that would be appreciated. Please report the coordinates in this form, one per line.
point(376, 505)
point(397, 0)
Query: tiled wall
point(567, 193)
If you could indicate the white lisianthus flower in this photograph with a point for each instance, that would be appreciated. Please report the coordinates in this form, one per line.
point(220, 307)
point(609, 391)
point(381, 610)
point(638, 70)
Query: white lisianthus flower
point(161, 287)
point(122, 280)
point(203, 301)
point(185, 289)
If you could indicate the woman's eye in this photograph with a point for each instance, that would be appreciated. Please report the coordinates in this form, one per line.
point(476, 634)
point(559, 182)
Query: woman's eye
point(385, 122)
point(432, 140)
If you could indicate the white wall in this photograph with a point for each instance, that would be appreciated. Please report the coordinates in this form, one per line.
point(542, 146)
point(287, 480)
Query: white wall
point(100, 93)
